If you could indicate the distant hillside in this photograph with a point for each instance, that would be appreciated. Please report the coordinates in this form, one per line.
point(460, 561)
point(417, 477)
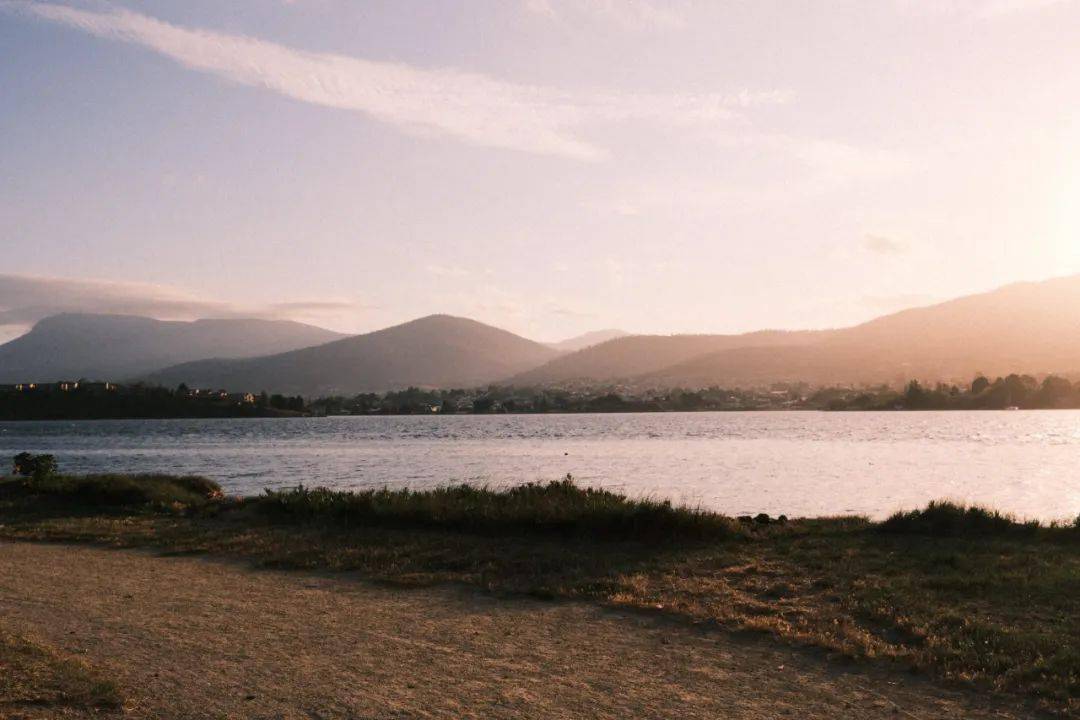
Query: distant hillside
point(1026, 327)
point(629, 357)
point(585, 340)
point(119, 347)
point(435, 351)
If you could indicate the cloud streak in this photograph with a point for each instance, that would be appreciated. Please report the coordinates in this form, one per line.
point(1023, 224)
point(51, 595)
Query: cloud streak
point(881, 245)
point(981, 9)
point(470, 107)
point(626, 14)
point(25, 299)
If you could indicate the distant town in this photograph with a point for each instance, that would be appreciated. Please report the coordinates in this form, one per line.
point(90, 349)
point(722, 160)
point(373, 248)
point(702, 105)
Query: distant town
point(80, 399)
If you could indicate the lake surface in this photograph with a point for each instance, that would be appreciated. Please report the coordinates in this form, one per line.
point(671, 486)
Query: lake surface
point(797, 463)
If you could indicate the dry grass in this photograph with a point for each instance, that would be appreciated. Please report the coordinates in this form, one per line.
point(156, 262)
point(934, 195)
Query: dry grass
point(36, 677)
point(997, 609)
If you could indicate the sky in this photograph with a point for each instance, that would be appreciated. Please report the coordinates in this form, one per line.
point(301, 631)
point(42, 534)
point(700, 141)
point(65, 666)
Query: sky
point(546, 166)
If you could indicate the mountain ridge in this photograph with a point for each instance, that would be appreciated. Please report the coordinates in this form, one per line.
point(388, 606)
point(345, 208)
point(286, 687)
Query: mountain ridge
point(121, 347)
point(588, 339)
point(1027, 327)
point(433, 351)
point(1031, 327)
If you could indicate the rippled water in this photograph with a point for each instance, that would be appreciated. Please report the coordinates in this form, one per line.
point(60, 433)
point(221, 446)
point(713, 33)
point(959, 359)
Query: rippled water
point(798, 463)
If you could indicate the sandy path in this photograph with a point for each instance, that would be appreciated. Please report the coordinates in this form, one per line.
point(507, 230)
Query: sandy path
point(190, 638)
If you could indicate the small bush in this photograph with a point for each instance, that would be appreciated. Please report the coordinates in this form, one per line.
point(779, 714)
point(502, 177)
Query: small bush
point(38, 467)
point(555, 507)
point(947, 519)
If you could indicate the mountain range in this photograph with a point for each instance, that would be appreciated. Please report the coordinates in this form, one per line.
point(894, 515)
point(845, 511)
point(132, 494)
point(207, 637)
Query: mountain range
point(435, 351)
point(120, 347)
point(580, 342)
point(1029, 327)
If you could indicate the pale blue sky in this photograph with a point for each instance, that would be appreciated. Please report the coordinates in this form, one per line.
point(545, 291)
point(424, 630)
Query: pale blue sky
point(548, 166)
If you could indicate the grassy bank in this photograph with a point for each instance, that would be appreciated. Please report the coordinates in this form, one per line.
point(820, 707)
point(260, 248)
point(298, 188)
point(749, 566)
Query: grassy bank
point(963, 594)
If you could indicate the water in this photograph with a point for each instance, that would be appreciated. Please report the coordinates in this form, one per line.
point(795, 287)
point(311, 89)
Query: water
point(797, 463)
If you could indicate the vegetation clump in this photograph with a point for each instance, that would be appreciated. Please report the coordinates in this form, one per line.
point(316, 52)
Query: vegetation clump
point(37, 467)
point(947, 519)
point(114, 490)
point(560, 506)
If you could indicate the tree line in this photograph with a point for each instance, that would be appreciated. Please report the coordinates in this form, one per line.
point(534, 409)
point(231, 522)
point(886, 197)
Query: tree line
point(1011, 391)
point(140, 401)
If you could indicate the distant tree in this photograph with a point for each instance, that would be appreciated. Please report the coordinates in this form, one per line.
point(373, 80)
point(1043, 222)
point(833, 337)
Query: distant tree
point(39, 467)
point(914, 395)
point(1019, 388)
point(608, 403)
point(979, 384)
point(1054, 391)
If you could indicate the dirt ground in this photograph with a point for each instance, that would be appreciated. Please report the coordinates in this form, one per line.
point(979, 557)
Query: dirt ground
point(195, 638)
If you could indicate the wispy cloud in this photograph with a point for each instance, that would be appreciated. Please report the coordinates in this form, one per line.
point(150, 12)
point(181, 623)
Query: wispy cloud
point(826, 163)
point(448, 271)
point(813, 167)
point(982, 9)
point(25, 299)
point(892, 303)
point(467, 106)
point(991, 8)
point(627, 14)
point(315, 307)
point(560, 310)
point(881, 245)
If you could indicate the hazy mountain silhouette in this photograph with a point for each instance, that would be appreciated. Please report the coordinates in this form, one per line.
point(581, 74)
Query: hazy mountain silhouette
point(435, 351)
point(1031, 327)
point(580, 342)
point(117, 347)
point(628, 357)
point(1026, 327)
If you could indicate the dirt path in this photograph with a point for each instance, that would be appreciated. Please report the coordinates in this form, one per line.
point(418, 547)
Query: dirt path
point(190, 638)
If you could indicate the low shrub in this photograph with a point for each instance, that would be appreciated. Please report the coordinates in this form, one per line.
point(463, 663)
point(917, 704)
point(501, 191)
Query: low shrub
point(37, 467)
point(555, 507)
point(947, 519)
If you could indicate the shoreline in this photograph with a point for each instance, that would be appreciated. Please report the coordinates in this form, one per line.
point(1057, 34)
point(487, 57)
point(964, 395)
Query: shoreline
point(723, 411)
